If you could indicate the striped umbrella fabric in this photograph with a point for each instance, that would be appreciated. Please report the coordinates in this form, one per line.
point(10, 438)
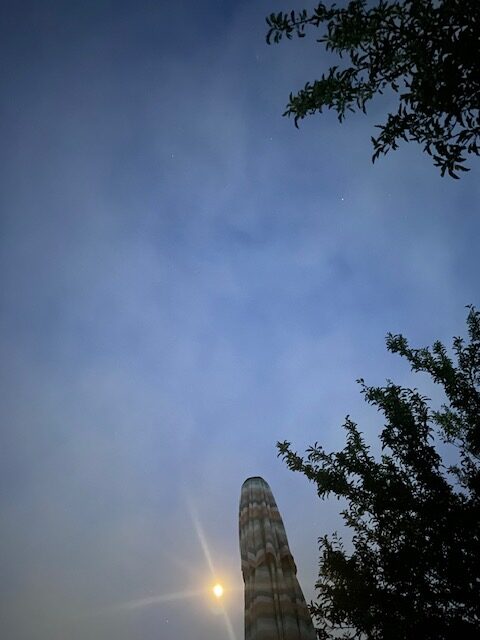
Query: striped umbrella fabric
point(275, 607)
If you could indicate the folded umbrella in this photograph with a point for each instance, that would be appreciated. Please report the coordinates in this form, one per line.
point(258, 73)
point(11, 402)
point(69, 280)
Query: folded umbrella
point(275, 607)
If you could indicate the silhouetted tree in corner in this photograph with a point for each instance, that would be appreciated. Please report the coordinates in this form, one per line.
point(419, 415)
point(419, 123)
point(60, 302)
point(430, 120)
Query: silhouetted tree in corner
point(414, 568)
point(427, 51)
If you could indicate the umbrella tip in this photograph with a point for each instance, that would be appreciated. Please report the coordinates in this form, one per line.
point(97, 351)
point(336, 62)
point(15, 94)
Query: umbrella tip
point(255, 478)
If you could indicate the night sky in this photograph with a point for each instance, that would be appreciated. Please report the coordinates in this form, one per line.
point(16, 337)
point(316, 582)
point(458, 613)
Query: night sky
point(186, 279)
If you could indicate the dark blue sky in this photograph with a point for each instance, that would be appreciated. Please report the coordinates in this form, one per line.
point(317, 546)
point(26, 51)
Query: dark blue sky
point(185, 280)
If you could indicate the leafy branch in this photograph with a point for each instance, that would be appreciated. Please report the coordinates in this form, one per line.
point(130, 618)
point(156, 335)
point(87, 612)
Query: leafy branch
point(424, 51)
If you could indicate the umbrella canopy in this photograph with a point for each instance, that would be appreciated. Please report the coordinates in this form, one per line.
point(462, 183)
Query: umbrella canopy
point(275, 607)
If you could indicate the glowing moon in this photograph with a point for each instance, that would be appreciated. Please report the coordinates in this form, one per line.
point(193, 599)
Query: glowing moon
point(218, 590)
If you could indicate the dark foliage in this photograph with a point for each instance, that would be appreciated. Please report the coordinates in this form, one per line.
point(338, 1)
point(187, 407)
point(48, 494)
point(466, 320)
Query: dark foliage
point(414, 568)
point(427, 51)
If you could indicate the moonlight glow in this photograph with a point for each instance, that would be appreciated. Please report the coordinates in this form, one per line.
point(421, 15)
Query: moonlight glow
point(218, 590)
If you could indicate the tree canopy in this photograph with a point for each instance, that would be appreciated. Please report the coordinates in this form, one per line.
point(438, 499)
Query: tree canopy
point(414, 567)
point(425, 51)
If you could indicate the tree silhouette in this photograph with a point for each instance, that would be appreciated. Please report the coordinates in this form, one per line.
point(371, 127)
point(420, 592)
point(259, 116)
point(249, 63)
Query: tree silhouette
point(426, 51)
point(414, 571)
